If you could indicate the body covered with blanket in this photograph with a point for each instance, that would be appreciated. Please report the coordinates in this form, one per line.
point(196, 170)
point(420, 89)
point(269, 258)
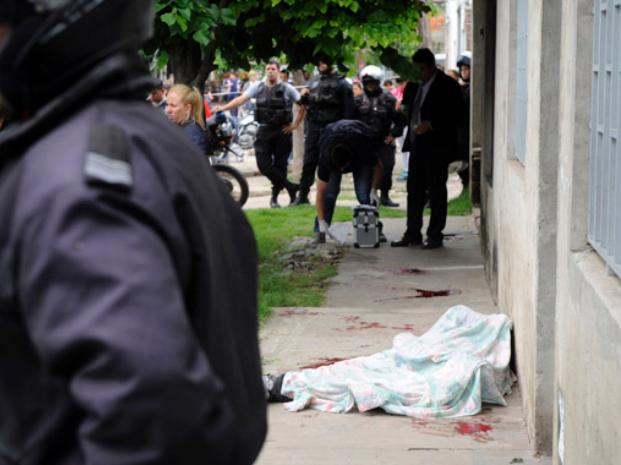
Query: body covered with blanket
point(462, 361)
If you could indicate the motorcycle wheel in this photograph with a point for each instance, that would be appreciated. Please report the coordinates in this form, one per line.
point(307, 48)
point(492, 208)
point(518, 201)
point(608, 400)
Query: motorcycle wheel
point(235, 183)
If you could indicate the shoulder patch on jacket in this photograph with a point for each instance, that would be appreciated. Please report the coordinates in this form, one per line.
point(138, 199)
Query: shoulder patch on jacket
point(108, 157)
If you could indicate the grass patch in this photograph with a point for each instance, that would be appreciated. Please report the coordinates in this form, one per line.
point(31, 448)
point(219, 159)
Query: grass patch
point(460, 206)
point(274, 229)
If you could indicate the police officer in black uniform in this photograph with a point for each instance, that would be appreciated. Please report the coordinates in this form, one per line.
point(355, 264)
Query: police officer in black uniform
point(328, 98)
point(274, 102)
point(123, 337)
point(378, 109)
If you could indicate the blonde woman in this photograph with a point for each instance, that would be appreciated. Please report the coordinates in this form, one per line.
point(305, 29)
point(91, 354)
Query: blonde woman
point(185, 107)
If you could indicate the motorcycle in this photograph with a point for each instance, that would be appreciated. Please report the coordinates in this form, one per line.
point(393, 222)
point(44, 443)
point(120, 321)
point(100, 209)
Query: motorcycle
point(221, 134)
point(226, 126)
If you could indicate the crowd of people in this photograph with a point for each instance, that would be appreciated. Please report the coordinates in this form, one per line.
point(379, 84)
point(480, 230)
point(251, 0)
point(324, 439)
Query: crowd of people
point(427, 122)
point(398, 115)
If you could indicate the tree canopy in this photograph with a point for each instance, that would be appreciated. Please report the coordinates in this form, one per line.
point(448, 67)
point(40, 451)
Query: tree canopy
point(190, 33)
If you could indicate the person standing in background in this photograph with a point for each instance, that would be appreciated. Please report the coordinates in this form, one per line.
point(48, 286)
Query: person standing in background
point(434, 115)
point(274, 102)
point(327, 99)
point(377, 108)
point(463, 154)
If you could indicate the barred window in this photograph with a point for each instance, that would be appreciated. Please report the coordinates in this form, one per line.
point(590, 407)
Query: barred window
point(605, 170)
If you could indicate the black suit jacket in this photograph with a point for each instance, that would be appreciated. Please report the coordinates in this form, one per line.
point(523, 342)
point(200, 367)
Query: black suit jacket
point(443, 108)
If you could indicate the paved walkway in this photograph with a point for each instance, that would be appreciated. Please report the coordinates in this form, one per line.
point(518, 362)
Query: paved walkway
point(373, 297)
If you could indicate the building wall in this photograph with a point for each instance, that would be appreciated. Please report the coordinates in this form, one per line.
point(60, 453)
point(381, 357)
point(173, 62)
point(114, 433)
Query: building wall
point(565, 303)
point(520, 208)
point(458, 31)
point(588, 343)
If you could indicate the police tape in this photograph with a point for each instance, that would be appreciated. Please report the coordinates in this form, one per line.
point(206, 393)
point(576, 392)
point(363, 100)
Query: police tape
point(222, 94)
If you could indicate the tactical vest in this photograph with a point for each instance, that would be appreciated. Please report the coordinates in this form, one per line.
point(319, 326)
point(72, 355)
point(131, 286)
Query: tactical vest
point(325, 102)
point(273, 108)
point(374, 111)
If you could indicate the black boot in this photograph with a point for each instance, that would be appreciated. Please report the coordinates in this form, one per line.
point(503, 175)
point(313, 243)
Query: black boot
point(292, 190)
point(274, 199)
point(385, 201)
point(273, 385)
point(301, 199)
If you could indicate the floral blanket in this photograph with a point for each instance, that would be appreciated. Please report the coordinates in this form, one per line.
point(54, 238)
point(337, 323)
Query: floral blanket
point(462, 361)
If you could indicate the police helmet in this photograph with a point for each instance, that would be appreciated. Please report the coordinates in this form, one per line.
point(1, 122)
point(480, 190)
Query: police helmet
point(464, 60)
point(371, 72)
point(52, 43)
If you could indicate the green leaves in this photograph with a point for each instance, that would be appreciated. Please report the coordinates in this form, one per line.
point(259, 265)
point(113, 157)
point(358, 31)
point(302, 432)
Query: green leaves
point(335, 27)
point(161, 59)
point(200, 37)
point(193, 19)
point(228, 17)
point(168, 18)
point(243, 31)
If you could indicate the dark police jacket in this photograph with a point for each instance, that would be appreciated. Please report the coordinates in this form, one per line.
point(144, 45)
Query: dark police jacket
point(272, 106)
point(330, 99)
point(354, 134)
point(443, 107)
point(380, 113)
point(128, 285)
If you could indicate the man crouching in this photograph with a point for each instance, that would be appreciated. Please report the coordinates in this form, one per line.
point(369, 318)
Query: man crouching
point(346, 146)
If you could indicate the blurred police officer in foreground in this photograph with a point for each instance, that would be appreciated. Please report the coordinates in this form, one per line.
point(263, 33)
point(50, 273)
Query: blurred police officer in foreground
point(123, 338)
point(329, 98)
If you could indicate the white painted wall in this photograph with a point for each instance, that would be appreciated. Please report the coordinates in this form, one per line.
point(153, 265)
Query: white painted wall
point(455, 42)
point(452, 33)
point(523, 208)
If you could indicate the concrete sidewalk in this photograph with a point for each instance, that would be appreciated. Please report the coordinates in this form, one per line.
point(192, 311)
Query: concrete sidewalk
point(377, 294)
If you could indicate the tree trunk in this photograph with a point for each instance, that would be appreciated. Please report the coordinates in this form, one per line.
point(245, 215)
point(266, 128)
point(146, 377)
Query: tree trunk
point(208, 57)
point(185, 61)
point(298, 134)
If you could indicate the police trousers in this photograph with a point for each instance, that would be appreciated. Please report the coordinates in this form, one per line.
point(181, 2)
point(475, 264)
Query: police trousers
point(311, 155)
point(386, 155)
point(427, 181)
point(272, 148)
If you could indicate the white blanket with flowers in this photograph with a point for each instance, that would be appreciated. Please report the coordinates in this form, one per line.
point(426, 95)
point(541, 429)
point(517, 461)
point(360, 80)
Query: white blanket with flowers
point(462, 361)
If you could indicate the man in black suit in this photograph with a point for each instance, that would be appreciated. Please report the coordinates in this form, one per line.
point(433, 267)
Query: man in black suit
point(433, 118)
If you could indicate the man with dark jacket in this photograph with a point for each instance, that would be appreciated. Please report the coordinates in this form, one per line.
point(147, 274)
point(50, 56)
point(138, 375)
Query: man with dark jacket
point(328, 98)
point(346, 146)
point(123, 338)
point(433, 118)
